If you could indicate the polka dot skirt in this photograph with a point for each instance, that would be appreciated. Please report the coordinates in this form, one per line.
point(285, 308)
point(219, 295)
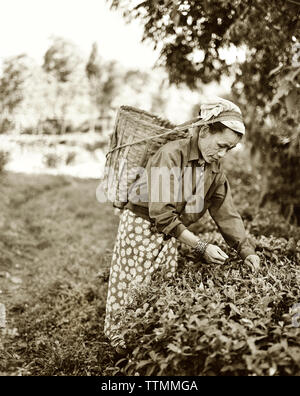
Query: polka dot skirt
point(138, 252)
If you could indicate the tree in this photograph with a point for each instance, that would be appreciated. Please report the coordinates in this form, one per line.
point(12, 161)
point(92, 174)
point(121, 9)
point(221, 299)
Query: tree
point(93, 66)
point(24, 93)
point(183, 28)
point(16, 71)
point(192, 37)
point(104, 78)
point(63, 62)
point(61, 59)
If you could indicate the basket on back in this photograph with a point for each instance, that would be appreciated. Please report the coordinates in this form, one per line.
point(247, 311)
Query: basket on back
point(137, 135)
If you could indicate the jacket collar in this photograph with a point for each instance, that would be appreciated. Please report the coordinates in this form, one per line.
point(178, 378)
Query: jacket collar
point(195, 154)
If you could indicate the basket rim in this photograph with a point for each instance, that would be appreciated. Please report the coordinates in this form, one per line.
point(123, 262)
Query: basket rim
point(130, 111)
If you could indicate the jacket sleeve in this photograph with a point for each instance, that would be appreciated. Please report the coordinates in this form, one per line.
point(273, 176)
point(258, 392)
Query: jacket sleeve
point(228, 220)
point(163, 190)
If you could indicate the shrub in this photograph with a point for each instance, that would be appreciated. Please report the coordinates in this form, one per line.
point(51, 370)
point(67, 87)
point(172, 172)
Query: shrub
point(100, 144)
point(70, 159)
point(214, 321)
point(52, 160)
point(6, 125)
point(4, 158)
point(56, 126)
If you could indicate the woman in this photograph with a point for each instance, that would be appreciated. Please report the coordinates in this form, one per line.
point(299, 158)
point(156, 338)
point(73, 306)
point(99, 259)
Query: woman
point(159, 211)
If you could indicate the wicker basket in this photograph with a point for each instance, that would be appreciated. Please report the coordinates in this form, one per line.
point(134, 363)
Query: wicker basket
point(137, 135)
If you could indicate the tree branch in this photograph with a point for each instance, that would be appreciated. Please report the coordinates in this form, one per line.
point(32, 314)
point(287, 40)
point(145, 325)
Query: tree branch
point(294, 2)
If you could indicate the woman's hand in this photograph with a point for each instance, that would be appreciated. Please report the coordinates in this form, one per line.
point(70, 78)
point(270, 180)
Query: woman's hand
point(213, 254)
point(252, 261)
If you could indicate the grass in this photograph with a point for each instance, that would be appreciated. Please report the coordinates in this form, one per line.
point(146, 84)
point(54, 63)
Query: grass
point(55, 238)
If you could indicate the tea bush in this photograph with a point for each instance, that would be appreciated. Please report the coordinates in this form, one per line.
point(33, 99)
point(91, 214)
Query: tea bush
point(220, 320)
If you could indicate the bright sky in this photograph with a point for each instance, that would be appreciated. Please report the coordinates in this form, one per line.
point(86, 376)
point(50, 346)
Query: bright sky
point(27, 25)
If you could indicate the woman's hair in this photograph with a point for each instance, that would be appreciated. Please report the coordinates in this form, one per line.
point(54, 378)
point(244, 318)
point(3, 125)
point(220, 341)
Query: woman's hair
point(214, 128)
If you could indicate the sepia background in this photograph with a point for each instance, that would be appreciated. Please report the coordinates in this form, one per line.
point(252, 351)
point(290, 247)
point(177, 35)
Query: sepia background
point(65, 68)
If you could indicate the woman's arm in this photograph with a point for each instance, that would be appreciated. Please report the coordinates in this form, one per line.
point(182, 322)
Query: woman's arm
point(229, 221)
point(188, 238)
point(212, 254)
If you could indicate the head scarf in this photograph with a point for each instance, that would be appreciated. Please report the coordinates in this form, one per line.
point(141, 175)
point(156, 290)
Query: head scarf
point(221, 110)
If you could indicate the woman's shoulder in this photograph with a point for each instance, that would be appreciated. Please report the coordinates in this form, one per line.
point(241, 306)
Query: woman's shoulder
point(172, 152)
point(175, 145)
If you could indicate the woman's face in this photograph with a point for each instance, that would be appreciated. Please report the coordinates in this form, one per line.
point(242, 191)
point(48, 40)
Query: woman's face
point(214, 146)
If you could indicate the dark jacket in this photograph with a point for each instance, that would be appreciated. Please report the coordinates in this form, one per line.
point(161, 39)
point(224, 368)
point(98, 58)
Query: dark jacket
point(174, 215)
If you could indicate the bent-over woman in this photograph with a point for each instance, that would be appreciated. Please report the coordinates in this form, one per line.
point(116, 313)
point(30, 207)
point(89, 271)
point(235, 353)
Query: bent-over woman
point(157, 215)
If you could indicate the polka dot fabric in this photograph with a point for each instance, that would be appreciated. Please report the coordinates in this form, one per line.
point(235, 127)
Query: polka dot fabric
point(138, 252)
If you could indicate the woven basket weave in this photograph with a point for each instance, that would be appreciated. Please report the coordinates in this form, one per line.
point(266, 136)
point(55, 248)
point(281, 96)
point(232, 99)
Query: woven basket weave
point(136, 136)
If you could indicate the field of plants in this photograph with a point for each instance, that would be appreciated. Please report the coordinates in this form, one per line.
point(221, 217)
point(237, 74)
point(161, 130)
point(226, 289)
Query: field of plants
point(56, 242)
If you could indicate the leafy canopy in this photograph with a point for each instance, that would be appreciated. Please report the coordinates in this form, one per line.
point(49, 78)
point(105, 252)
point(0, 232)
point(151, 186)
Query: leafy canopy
point(183, 29)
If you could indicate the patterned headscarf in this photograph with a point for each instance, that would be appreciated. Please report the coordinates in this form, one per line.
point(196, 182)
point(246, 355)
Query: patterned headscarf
point(221, 110)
